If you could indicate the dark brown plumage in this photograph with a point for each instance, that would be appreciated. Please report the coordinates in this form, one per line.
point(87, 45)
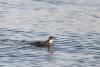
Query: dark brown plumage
point(44, 43)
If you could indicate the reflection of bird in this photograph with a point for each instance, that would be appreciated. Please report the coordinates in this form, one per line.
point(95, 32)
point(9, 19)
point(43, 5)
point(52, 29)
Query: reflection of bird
point(50, 50)
point(44, 43)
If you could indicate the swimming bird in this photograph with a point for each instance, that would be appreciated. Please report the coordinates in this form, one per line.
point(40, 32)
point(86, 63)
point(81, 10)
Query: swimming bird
point(48, 42)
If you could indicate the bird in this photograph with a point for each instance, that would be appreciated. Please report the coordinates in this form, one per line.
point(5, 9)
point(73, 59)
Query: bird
point(48, 42)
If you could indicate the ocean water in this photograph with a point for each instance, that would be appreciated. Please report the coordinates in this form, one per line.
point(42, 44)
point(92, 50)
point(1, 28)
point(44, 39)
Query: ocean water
point(74, 23)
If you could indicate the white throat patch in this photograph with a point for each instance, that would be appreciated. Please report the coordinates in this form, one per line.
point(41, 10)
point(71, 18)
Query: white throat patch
point(50, 41)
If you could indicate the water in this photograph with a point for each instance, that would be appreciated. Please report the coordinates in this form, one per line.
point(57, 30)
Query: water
point(75, 23)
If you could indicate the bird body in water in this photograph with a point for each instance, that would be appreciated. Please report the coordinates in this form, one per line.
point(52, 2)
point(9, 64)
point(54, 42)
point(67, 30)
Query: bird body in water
point(48, 42)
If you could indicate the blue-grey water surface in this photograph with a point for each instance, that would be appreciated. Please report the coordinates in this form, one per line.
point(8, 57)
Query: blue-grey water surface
point(75, 23)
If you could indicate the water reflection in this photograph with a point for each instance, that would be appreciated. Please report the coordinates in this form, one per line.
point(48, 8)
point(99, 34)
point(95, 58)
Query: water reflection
point(50, 50)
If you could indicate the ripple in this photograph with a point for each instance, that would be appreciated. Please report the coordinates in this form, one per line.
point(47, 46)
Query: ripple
point(74, 23)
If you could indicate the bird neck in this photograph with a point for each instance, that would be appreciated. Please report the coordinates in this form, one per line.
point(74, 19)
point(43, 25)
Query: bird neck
point(50, 41)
